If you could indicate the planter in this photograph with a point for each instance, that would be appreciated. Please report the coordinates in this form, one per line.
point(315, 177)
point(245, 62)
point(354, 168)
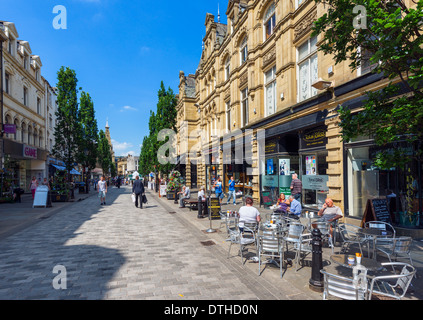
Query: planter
point(59, 197)
point(171, 195)
point(6, 200)
point(408, 221)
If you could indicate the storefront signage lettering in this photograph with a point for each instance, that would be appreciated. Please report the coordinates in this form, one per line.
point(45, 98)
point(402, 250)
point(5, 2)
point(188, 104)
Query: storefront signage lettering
point(271, 147)
point(314, 138)
point(315, 182)
point(29, 152)
point(9, 128)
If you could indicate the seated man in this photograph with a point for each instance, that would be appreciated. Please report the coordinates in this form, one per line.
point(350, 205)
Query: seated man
point(248, 214)
point(294, 211)
point(329, 213)
point(185, 194)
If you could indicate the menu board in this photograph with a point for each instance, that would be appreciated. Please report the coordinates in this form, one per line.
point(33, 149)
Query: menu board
point(214, 209)
point(266, 198)
point(40, 198)
point(376, 210)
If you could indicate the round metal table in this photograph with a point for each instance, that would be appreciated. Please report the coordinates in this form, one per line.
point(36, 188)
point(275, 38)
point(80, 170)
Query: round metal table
point(342, 259)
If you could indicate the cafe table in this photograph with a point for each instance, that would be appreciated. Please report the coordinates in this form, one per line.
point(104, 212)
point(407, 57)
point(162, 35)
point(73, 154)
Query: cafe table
point(373, 234)
point(342, 260)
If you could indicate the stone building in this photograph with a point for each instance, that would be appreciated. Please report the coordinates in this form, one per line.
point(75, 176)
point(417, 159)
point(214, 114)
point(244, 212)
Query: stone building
point(25, 109)
point(261, 106)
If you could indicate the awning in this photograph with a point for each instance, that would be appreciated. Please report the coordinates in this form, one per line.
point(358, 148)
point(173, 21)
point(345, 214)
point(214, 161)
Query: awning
point(59, 167)
point(73, 171)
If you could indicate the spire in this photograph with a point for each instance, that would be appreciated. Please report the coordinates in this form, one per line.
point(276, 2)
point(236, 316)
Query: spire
point(107, 123)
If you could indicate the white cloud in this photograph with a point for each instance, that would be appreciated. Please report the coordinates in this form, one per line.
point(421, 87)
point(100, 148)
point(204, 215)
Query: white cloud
point(118, 147)
point(127, 108)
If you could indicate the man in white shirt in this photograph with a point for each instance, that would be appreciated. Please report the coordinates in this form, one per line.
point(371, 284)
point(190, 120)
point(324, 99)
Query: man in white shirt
point(248, 213)
point(102, 190)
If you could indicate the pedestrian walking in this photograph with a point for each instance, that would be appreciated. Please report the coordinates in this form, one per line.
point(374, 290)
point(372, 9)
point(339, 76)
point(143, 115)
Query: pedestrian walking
point(102, 190)
point(218, 190)
point(33, 186)
point(231, 192)
point(138, 190)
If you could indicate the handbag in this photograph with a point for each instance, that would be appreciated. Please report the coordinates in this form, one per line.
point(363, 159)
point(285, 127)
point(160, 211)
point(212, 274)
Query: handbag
point(144, 199)
point(133, 197)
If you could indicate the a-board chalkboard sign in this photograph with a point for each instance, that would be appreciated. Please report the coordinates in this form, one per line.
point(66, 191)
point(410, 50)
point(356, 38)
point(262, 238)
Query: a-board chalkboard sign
point(376, 210)
point(40, 198)
point(214, 208)
point(266, 199)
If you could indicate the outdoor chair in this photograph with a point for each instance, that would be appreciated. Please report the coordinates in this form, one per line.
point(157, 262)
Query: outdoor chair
point(350, 235)
point(270, 245)
point(343, 287)
point(396, 247)
point(324, 228)
point(395, 285)
point(243, 238)
point(301, 242)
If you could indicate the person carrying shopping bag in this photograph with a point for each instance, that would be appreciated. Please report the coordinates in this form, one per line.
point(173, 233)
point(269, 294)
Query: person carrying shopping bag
point(138, 190)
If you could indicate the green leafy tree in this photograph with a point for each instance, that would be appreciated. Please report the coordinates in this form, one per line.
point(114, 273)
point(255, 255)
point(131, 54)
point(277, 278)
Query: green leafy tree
point(391, 35)
point(67, 131)
point(104, 153)
point(88, 143)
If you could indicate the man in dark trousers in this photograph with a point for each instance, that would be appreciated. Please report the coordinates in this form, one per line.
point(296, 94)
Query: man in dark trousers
point(138, 190)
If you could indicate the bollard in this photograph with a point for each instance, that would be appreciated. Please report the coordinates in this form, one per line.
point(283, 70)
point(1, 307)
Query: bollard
point(200, 208)
point(316, 280)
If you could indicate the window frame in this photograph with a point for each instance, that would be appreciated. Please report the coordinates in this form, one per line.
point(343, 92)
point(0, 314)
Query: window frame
point(244, 107)
point(243, 51)
point(311, 53)
point(271, 10)
point(271, 82)
point(25, 96)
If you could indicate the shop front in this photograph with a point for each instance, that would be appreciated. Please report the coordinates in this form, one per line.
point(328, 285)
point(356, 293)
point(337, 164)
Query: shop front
point(401, 187)
point(25, 162)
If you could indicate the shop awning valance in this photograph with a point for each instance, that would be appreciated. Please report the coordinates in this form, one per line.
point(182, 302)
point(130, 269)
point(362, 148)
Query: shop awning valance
point(59, 167)
point(75, 172)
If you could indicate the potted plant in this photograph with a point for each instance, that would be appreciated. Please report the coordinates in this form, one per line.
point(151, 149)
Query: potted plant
point(60, 188)
point(174, 185)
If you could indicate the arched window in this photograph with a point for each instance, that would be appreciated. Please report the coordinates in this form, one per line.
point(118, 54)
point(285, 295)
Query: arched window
point(29, 135)
point(243, 50)
point(23, 132)
point(227, 67)
point(269, 21)
point(16, 136)
point(8, 120)
point(36, 137)
point(40, 141)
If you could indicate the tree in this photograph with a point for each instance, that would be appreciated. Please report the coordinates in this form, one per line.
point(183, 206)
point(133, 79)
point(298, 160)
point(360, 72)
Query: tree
point(391, 34)
point(164, 118)
point(67, 131)
point(104, 153)
point(88, 144)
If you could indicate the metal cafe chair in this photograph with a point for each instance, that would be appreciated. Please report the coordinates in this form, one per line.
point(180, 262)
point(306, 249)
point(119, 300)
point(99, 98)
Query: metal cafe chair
point(395, 285)
point(269, 245)
point(343, 287)
point(300, 241)
point(324, 228)
point(350, 235)
point(396, 247)
point(242, 236)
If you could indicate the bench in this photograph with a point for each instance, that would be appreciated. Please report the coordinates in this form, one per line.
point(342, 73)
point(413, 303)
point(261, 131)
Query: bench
point(192, 203)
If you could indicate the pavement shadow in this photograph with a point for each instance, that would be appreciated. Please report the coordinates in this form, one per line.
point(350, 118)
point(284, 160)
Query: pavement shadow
point(46, 260)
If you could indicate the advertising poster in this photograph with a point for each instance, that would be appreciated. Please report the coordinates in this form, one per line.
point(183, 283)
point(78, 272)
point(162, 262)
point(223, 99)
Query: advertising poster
point(270, 166)
point(284, 167)
point(310, 165)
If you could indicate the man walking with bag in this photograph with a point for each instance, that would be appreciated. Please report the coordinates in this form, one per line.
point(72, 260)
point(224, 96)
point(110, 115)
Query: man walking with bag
point(138, 190)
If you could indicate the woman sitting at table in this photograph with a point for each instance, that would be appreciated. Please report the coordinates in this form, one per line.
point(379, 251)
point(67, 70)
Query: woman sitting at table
point(282, 204)
point(248, 214)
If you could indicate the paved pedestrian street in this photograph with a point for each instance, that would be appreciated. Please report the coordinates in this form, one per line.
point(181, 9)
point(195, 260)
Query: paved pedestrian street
point(117, 251)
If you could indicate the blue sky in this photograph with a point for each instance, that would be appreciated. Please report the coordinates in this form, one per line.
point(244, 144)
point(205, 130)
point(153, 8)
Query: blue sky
point(120, 50)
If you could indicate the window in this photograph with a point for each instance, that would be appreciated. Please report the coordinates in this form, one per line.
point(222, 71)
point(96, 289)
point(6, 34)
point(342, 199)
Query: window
point(243, 50)
point(50, 121)
point(25, 61)
point(29, 135)
point(269, 21)
point(23, 131)
point(227, 68)
point(270, 82)
point(7, 83)
point(10, 49)
point(244, 107)
point(25, 96)
point(38, 105)
point(307, 69)
point(15, 136)
point(228, 116)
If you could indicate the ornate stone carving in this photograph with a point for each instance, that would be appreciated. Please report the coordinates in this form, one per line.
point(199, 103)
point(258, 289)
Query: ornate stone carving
point(269, 57)
point(243, 79)
point(304, 25)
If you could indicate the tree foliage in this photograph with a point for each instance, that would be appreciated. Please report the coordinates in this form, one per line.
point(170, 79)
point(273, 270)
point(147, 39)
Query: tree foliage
point(391, 34)
point(104, 153)
point(67, 131)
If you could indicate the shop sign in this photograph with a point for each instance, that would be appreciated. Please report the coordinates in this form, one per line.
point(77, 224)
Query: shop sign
point(9, 128)
point(271, 147)
point(313, 138)
point(270, 181)
point(29, 152)
point(315, 182)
